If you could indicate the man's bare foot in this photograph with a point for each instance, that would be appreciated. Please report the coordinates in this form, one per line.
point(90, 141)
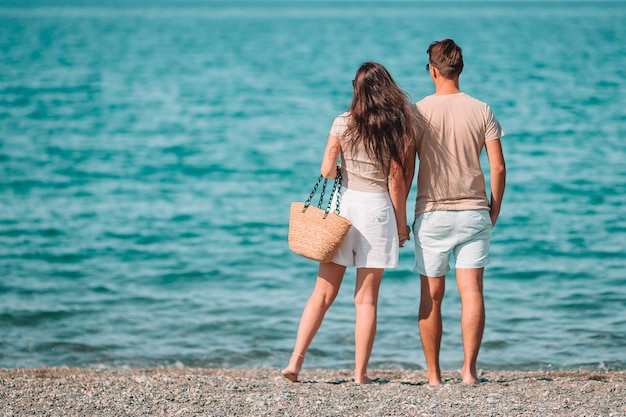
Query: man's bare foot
point(470, 380)
point(434, 382)
point(469, 377)
point(295, 363)
point(434, 378)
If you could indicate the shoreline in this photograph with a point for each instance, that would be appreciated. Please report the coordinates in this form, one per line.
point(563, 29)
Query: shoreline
point(61, 391)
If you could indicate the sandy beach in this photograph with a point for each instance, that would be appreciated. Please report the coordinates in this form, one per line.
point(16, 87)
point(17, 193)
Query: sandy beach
point(263, 392)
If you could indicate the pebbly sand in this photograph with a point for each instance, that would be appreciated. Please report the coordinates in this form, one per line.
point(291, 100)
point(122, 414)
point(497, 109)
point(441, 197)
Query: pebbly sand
point(263, 392)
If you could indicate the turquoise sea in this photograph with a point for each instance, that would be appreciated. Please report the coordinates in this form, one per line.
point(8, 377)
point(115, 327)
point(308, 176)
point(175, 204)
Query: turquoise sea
point(149, 151)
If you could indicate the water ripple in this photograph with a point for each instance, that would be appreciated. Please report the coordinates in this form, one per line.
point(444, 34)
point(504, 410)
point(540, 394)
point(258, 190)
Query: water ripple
point(148, 157)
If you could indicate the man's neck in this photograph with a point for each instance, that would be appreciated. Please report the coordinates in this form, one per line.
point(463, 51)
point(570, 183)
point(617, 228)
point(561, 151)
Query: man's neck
point(445, 87)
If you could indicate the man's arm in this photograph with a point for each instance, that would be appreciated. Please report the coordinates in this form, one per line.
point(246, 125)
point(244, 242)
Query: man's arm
point(497, 177)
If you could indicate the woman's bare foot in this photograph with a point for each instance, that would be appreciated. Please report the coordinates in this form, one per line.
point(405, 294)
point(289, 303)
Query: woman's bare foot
point(363, 379)
point(290, 374)
point(293, 369)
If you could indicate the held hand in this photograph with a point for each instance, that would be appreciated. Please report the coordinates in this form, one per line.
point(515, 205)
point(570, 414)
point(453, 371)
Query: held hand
point(403, 237)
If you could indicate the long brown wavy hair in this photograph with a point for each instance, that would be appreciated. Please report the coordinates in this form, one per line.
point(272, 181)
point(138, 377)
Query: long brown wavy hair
point(382, 118)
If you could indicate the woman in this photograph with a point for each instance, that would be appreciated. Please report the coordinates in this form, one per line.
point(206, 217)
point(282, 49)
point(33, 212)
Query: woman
point(373, 138)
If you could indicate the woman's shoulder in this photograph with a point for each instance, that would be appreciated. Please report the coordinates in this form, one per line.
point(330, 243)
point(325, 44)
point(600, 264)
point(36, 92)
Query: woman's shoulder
point(340, 124)
point(342, 118)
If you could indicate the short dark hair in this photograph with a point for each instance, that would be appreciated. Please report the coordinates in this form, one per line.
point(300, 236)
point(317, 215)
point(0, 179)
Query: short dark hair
point(447, 57)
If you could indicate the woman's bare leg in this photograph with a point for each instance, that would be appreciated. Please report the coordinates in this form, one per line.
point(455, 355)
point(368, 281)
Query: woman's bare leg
point(329, 279)
point(366, 302)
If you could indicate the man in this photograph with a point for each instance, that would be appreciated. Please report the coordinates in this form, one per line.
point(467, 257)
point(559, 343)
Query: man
point(453, 215)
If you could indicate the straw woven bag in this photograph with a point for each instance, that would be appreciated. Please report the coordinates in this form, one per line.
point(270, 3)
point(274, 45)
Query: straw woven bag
point(316, 233)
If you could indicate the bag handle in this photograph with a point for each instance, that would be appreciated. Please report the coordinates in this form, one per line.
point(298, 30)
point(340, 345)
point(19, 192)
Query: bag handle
point(336, 189)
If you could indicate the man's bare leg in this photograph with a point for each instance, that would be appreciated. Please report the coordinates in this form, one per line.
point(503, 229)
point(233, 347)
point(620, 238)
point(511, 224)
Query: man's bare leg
point(430, 325)
point(470, 283)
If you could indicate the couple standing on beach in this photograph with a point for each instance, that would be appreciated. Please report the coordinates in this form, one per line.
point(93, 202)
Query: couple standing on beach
point(378, 139)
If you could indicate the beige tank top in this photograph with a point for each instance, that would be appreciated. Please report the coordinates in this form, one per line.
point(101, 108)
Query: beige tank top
point(358, 171)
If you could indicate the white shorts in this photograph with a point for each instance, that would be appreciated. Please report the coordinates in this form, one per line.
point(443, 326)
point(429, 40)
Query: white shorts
point(372, 241)
point(438, 234)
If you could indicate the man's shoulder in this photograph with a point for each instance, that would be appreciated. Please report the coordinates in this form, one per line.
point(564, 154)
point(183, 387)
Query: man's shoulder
point(435, 98)
point(424, 100)
point(460, 100)
point(474, 100)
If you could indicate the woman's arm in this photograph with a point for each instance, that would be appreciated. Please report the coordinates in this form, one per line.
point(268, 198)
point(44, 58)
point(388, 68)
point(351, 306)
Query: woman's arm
point(331, 156)
point(398, 194)
point(409, 163)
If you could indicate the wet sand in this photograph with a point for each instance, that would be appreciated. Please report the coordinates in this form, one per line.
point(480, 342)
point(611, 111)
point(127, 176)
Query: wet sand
point(264, 392)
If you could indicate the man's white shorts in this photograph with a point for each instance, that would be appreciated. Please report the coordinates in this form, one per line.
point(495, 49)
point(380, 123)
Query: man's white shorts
point(438, 234)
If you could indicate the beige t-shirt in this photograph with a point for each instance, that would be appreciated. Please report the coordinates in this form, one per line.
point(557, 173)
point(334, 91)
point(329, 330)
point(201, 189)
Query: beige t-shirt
point(450, 176)
point(358, 171)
